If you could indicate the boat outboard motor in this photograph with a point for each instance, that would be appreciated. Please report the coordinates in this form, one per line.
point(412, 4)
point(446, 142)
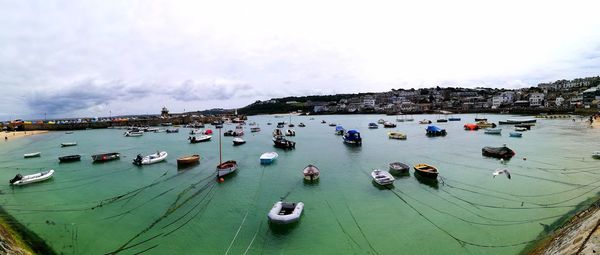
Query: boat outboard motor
point(18, 177)
point(138, 159)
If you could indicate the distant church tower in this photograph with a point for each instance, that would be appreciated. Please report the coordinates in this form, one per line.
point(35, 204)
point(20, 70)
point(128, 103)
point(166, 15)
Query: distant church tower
point(164, 112)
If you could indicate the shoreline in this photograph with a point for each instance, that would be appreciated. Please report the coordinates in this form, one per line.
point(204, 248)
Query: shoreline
point(9, 136)
point(577, 232)
point(18, 239)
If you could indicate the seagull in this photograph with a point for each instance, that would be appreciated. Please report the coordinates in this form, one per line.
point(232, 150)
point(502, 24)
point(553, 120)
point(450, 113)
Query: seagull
point(501, 171)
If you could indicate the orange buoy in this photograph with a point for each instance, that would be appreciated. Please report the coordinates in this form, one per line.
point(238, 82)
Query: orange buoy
point(221, 179)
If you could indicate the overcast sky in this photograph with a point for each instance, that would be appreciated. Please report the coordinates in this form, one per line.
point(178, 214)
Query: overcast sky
point(89, 58)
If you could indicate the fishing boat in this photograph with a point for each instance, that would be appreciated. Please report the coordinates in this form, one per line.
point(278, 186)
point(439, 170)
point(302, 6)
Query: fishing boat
point(301, 125)
point(427, 171)
point(339, 130)
point(352, 137)
point(471, 126)
point(596, 154)
point(435, 131)
point(485, 124)
point(282, 143)
point(20, 180)
point(311, 173)
point(32, 155)
point(425, 122)
point(520, 129)
point(382, 177)
point(202, 138)
point(227, 167)
point(254, 129)
point(493, 131)
point(268, 157)
point(515, 134)
point(150, 159)
point(388, 124)
point(133, 134)
point(188, 160)
point(396, 135)
point(238, 141)
point(106, 157)
point(68, 144)
point(290, 132)
point(277, 132)
point(373, 125)
point(285, 213)
point(497, 152)
point(397, 168)
point(69, 158)
point(172, 130)
point(380, 121)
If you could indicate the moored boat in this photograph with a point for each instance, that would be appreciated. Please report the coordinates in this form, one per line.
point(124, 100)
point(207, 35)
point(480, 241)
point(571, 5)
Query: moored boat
point(339, 130)
point(382, 177)
point(332, 124)
point(396, 135)
point(277, 132)
point(454, 119)
point(352, 137)
point(485, 124)
point(281, 142)
point(435, 131)
point(515, 134)
point(19, 179)
point(133, 134)
point(32, 155)
point(497, 152)
point(69, 158)
point(150, 159)
point(442, 120)
point(373, 125)
point(311, 173)
point(301, 124)
point(268, 157)
point(285, 213)
point(426, 170)
point(188, 160)
point(526, 126)
point(493, 131)
point(202, 138)
point(239, 131)
point(106, 157)
point(226, 168)
point(425, 122)
point(68, 144)
point(172, 130)
point(596, 154)
point(397, 168)
point(254, 129)
point(520, 129)
point(380, 121)
point(238, 141)
point(471, 126)
point(290, 132)
point(388, 124)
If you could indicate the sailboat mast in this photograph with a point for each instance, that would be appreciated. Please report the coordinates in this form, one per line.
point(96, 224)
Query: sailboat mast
point(220, 152)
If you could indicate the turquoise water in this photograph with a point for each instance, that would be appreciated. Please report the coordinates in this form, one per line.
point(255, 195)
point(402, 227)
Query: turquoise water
point(98, 208)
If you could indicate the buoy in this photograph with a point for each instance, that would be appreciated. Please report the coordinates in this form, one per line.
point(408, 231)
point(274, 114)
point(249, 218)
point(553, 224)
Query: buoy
point(221, 179)
point(524, 158)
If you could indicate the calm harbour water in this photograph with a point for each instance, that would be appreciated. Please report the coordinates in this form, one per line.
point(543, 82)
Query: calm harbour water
point(98, 208)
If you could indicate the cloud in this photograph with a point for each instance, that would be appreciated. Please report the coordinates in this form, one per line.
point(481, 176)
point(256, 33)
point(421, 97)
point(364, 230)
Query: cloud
point(219, 89)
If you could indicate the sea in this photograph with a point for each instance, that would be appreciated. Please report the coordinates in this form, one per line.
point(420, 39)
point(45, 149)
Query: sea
point(118, 207)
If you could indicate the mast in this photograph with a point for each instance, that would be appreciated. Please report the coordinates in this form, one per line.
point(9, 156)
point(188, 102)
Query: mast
point(220, 147)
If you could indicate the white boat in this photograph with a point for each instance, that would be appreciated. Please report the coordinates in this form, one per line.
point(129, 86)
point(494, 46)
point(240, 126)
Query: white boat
point(268, 157)
point(285, 213)
point(133, 134)
point(195, 132)
point(382, 177)
point(596, 154)
point(150, 159)
point(238, 141)
point(32, 155)
point(227, 167)
point(396, 135)
point(290, 132)
point(27, 179)
point(311, 173)
point(493, 131)
point(523, 120)
point(68, 144)
point(520, 129)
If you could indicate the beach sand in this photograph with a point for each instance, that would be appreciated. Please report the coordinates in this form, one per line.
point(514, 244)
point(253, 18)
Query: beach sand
point(7, 137)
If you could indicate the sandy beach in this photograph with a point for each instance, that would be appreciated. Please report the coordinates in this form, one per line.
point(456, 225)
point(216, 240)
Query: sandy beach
point(18, 134)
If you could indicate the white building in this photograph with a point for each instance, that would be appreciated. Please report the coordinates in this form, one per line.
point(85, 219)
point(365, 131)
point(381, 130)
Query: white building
point(536, 99)
point(369, 102)
point(559, 101)
point(506, 97)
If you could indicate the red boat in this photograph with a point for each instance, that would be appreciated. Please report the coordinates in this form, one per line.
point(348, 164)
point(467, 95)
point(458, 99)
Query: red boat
point(208, 132)
point(471, 126)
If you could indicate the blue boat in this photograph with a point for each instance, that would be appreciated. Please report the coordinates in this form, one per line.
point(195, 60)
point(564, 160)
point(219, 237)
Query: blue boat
point(373, 125)
point(352, 137)
point(435, 131)
point(339, 130)
point(454, 119)
point(515, 134)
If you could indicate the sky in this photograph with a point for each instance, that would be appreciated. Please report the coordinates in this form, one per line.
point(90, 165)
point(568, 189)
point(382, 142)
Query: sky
point(114, 57)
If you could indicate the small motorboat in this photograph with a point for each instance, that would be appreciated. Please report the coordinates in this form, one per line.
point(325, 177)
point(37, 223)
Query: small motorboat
point(527, 126)
point(396, 135)
point(323, 122)
point(32, 155)
point(520, 129)
point(291, 125)
point(106, 157)
point(497, 152)
point(425, 122)
point(239, 131)
point(481, 119)
point(301, 125)
point(485, 124)
point(268, 157)
point(277, 132)
point(515, 134)
point(150, 159)
point(352, 137)
point(228, 133)
point(226, 168)
point(202, 138)
point(442, 120)
point(427, 171)
point(69, 158)
point(281, 142)
point(397, 168)
point(339, 130)
point(27, 179)
point(188, 160)
point(68, 144)
point(254, 129)
point(172, 130)
point(388, 124)
point(238, 141)
point(380, 121)
point(280, 124)
point(332, 124)
point(269, 123)
point(453, 119)
point(471, 126)
point(435, 131)
point(69, 132)
point(133, 134)
point(311, 173)
point(195, 132)
point(373, 125)
point(290, 132)
point(493, 131)
point(596, 154)
point(382, 177)
point(285, 213)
